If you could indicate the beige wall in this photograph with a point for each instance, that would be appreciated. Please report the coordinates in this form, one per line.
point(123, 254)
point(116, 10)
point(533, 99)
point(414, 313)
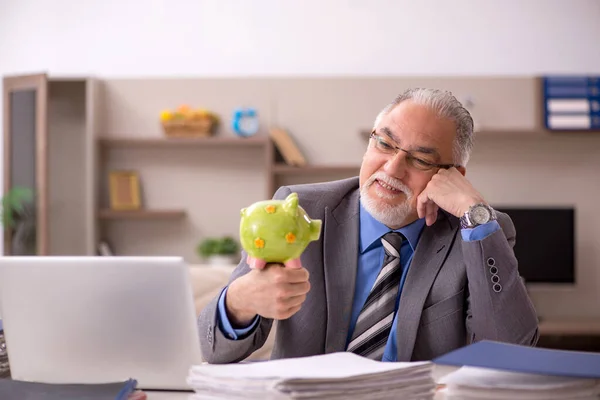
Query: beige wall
point(325, 116)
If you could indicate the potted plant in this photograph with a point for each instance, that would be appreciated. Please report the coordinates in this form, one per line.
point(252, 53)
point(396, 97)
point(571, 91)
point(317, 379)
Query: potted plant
point(219, 251)
point(18, 214)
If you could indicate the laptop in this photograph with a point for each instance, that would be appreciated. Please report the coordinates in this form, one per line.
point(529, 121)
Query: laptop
point(99, 319)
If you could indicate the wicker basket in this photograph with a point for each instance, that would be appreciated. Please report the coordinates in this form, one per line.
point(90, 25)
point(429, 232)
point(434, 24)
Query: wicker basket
point(203, 127)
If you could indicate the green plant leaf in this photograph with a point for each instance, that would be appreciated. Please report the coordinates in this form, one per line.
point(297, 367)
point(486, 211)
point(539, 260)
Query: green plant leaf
point(217, 246)
point(13, 205)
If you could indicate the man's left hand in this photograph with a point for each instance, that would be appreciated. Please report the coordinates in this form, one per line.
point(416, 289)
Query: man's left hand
point(449, 190)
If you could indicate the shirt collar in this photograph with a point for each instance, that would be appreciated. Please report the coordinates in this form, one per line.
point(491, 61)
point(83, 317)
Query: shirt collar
point(372, 230)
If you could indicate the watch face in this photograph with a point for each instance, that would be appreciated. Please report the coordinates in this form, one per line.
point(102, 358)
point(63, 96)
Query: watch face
point(480, 215)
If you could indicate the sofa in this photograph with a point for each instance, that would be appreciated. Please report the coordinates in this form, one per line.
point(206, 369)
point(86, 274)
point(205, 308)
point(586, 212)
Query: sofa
point(207, 282)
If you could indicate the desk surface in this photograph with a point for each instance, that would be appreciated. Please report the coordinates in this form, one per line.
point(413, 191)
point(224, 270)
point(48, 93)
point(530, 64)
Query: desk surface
point(187, 396)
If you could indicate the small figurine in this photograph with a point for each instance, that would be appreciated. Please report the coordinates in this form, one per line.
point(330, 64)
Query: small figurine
point(277, 230)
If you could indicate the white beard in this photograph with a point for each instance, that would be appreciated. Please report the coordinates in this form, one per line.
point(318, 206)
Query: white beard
point(387, 214)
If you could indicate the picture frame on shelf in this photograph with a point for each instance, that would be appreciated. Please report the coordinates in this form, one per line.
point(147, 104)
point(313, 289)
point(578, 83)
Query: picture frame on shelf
point(124, 188)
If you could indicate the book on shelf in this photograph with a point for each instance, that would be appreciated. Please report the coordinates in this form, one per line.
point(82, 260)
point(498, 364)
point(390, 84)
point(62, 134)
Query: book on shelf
point(571, 102)
point(286, 146)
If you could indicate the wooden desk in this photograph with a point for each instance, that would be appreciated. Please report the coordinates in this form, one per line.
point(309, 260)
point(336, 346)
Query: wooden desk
point(186, 396)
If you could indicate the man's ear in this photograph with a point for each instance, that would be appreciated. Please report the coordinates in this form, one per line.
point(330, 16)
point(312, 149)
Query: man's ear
point(462, 170)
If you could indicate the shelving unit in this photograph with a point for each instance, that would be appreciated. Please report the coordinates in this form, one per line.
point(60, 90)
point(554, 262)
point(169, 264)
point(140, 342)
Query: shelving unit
point(141, 214)
point(216, 141)
point(514, 133)
point(570, 327)
point(274, 169)
point(193, 159)
point(48, 148)
point(284, 169)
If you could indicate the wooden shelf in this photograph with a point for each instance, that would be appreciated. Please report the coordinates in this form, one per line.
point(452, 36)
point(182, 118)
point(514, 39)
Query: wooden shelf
point(512, 133)
point(570, 327)
point(284, 169)
point(215, 141)
point(534, 133)
point(142, 214)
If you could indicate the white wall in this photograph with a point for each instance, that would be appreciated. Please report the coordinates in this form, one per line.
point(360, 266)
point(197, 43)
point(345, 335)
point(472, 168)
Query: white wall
point(198, 37)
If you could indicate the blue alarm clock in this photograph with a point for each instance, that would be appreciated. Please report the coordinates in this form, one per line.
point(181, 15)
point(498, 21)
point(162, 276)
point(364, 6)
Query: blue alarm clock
point(245, 121)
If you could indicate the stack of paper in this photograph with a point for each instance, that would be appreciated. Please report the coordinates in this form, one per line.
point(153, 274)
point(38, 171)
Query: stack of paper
point(470, 383)
point(331, 376)
point(493, 370)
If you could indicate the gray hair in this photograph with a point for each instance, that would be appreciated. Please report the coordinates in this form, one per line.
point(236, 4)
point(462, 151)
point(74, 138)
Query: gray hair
point(446, 106)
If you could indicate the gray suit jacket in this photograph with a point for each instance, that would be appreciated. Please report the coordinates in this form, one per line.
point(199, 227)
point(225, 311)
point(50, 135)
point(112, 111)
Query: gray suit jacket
point(456, 292)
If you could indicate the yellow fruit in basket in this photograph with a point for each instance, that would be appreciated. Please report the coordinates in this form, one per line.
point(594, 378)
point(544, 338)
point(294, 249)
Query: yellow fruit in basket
point(166, 115)
point(196, 115)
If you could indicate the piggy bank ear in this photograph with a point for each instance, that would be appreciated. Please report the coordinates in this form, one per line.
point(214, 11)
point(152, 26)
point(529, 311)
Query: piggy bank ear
point(243, 212)
point(290, 205)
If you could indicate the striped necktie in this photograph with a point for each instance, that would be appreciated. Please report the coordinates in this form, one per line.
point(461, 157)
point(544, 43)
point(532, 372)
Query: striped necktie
point(375, 319)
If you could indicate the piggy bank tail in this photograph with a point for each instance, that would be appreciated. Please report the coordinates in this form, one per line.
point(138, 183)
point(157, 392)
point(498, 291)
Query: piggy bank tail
point(315, 229)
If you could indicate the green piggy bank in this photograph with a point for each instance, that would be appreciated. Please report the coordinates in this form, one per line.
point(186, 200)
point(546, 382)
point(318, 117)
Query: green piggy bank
point(277, 230)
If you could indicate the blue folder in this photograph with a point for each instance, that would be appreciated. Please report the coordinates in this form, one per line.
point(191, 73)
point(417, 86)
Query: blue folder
point(586, 88)
point(516, 358)
point(19, 390)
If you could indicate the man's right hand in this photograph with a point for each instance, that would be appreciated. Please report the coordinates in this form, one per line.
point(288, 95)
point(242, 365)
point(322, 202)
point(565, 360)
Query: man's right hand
point(273, 291)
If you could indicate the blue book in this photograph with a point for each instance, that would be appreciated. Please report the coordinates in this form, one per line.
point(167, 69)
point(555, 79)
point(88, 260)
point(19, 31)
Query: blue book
point(516, 358)
point(571, 103)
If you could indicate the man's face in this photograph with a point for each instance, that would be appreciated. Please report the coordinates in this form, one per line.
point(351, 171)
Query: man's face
point(390, 180)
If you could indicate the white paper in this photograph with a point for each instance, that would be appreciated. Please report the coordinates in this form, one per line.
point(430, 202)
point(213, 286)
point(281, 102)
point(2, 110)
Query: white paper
point(483, 383)
point(330, 376)
point(329, 366)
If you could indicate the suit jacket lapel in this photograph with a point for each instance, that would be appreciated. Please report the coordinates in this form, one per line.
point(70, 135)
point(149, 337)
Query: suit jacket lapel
point(429, 257)
point(340, 253)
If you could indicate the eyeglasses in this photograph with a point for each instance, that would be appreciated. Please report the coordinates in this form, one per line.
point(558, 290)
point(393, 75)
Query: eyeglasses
point(385, 147)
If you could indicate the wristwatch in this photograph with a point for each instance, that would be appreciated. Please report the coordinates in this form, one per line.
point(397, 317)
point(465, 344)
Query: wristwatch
point(477, 214)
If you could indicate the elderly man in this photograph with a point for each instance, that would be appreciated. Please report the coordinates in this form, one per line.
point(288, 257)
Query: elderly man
point(411, 264)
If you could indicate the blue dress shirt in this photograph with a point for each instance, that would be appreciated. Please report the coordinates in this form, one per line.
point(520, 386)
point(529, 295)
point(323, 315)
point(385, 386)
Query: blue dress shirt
point(370, 260)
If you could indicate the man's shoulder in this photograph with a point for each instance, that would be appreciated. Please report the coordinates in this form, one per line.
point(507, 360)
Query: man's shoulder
point(320, 194)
